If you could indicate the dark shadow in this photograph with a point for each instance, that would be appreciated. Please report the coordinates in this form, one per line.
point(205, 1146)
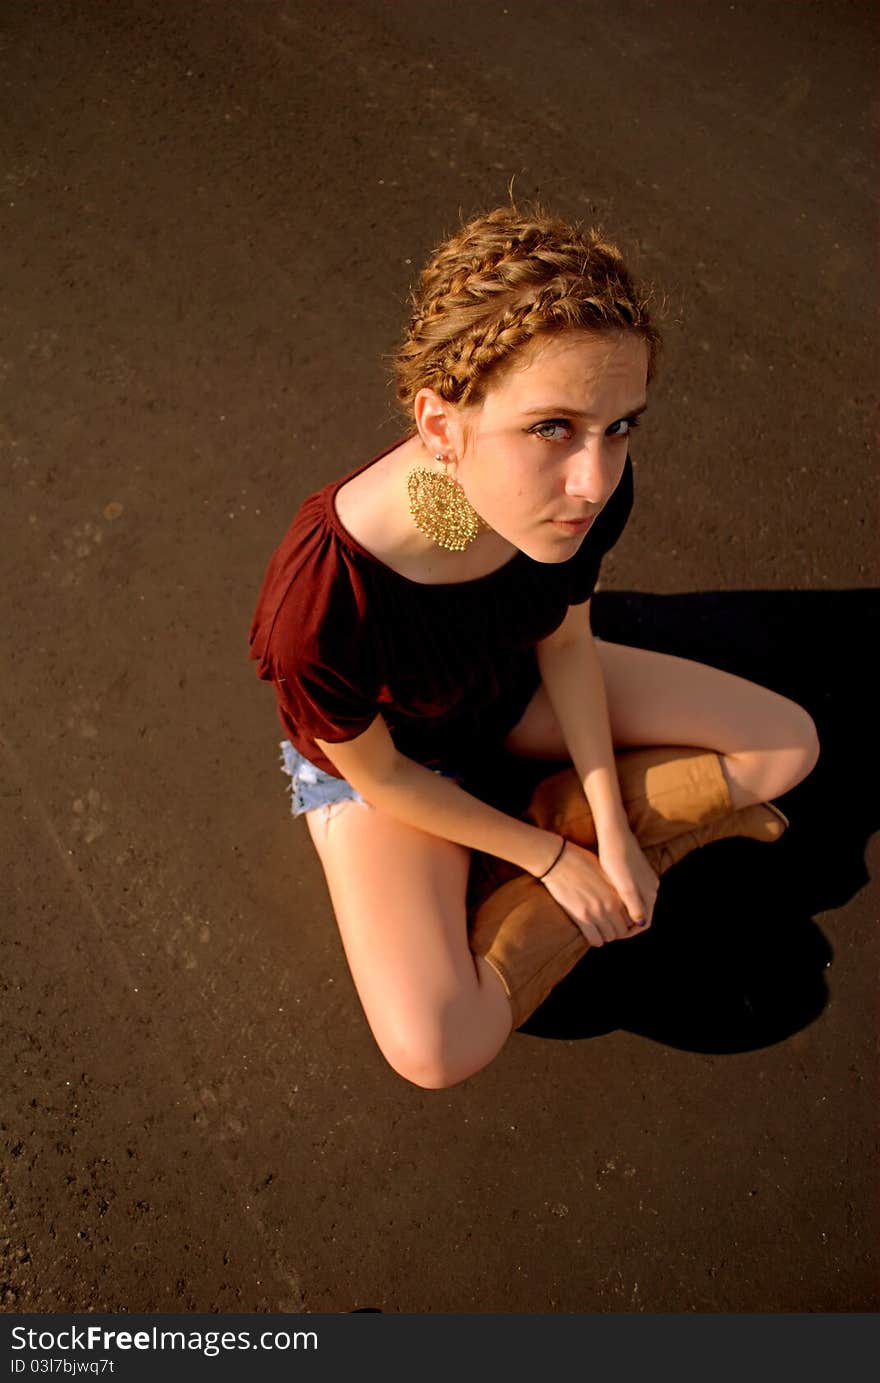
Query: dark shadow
point(733, 960)
point(729, 964)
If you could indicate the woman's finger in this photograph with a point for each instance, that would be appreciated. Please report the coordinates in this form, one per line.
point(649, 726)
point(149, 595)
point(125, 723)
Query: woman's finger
point(638, 928)
point(618, 924)
point(612, 923)
point(592, 933)
point(634, 904)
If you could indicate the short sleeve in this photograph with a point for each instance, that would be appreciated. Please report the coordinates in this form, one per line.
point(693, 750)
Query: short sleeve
point(312, 635)
point(601, 539)
point(323, 702)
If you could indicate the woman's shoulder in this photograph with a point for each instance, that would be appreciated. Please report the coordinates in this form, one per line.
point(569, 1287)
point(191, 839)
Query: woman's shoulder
point(340, 505)
point(306, 553)
point(314, 584)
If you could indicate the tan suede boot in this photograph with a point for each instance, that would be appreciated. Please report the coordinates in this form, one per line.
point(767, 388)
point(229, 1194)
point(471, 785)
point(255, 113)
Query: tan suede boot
point(665, 791)
point(676, 800)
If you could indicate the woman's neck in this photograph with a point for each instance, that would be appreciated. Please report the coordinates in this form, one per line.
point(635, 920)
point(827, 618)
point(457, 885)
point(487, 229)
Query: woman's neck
point(374, 508)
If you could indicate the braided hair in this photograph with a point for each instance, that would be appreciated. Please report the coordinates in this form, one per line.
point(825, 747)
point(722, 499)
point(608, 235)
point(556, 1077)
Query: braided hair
point(505, 278)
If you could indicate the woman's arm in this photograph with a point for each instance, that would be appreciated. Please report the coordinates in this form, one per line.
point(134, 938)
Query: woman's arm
point(412, 793)
point(572, 676)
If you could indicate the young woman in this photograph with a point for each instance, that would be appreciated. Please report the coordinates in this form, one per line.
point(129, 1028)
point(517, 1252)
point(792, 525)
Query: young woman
point(434, 605)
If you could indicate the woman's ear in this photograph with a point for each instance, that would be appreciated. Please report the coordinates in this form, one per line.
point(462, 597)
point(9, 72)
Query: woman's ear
point(432, 418)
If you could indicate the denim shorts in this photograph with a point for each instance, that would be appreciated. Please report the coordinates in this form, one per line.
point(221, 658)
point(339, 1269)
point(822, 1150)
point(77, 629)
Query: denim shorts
point(312, 787)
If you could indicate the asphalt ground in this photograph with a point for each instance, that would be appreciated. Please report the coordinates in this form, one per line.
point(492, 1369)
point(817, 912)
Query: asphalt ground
point(211, 215)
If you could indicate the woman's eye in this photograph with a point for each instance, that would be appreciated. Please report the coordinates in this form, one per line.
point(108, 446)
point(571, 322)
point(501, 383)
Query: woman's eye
point(554, 430)
point(622, 428)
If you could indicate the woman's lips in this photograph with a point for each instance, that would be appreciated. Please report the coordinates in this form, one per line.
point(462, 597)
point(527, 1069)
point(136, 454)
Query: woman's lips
point(575, 525)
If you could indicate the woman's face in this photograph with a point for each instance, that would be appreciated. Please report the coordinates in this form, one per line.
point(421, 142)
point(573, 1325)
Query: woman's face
point(545, 450)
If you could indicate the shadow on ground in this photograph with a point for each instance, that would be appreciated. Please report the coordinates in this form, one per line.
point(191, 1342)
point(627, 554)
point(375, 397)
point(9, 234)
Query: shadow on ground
point(734, 960)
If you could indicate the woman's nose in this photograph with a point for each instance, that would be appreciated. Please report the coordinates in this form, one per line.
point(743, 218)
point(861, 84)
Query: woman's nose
point(594, 472)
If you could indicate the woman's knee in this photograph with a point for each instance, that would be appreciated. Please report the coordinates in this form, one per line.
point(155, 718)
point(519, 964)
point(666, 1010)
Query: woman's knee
point(429, 1067)
point(799, 751)
point(789, 754)
point(810, 746)
point(438, 1054)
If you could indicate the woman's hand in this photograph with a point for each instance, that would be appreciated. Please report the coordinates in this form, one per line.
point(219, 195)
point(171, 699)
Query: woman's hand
point(605, 895)
point(580, 885)
point(624, 864)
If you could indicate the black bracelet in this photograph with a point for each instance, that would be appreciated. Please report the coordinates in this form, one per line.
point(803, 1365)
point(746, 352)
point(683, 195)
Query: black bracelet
point(539, 877)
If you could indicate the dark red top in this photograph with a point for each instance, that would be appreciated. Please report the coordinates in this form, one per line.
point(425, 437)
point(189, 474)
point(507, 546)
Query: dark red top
point(450, 667)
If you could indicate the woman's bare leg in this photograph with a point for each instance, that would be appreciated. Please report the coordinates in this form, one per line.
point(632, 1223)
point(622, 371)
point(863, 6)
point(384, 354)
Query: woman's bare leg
point(438, 1014)
point(767, 743)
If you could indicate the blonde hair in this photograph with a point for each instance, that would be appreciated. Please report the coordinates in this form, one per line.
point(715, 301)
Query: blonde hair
point(505, 278)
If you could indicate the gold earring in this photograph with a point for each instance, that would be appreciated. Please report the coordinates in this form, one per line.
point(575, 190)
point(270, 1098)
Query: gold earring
point(440, 508)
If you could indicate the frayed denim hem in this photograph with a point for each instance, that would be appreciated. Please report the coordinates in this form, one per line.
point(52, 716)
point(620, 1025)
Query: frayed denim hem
point(310, 786)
